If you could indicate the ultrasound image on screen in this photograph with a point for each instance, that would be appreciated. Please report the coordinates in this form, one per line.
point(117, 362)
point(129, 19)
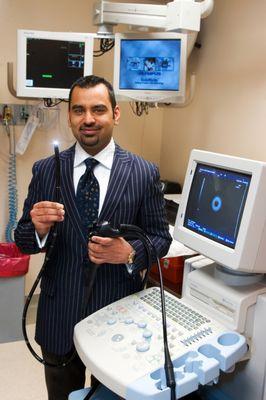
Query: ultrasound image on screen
point(216, 203)
point(150, 64)
point(54, 63)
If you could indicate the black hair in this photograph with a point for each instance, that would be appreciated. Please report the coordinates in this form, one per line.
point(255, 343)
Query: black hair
point(86, 82)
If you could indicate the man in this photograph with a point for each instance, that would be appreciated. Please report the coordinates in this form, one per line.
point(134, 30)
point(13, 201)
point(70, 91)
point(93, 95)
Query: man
point(130, 193)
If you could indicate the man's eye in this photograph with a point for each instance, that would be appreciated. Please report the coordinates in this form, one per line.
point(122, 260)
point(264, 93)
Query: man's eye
point(99, 110)
point(78, 111)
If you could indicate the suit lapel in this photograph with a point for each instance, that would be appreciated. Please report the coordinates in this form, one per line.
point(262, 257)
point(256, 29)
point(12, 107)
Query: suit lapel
point(120, 172)
point(68, 192)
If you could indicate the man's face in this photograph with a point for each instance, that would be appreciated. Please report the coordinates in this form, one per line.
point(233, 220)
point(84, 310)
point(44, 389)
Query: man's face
point(91, 117)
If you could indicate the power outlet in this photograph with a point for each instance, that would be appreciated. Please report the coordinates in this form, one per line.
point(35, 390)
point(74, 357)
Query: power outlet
point(18, 114)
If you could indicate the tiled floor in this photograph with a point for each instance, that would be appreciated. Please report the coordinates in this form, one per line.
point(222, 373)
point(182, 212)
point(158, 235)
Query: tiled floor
point(21, 376)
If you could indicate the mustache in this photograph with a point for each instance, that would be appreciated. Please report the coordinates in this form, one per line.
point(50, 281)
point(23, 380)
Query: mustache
point(92, 125)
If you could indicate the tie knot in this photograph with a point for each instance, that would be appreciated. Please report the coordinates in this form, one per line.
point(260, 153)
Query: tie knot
point(91, 163)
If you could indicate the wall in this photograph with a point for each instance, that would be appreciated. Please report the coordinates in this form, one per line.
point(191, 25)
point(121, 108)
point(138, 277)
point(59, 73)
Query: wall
point(227, 114)
point(140, 135)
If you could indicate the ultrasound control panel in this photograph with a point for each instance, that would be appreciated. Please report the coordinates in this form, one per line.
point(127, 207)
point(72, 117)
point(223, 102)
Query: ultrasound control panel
point(122, 345)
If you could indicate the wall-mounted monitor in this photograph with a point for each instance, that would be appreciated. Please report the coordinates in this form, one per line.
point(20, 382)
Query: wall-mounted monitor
point(222, 213)
point(150, 67)
point(49, 62)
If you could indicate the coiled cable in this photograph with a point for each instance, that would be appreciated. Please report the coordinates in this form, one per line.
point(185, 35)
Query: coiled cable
point(12, 187)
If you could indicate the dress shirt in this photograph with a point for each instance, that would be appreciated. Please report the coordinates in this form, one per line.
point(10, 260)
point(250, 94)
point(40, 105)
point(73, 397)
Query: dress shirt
point(102, 173)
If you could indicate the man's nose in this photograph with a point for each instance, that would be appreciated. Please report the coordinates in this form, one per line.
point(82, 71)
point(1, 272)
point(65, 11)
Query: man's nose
point(89, 117)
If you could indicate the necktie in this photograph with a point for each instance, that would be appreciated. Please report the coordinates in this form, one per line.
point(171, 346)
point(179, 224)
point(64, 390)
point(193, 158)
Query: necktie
point(87, 197)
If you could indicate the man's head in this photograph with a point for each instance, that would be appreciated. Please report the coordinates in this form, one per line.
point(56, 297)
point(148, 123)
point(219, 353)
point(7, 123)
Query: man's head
point(93, 112)
point(86, 82)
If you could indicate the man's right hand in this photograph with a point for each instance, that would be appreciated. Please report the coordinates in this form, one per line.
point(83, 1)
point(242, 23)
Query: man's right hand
point(44, 215)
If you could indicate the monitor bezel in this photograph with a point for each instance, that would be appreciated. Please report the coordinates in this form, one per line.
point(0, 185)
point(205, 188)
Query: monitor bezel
point(40, 92)
point(153, 96)
point(244, 256)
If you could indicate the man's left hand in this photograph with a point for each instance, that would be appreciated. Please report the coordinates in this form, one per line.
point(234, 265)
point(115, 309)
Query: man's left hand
point(109, 250)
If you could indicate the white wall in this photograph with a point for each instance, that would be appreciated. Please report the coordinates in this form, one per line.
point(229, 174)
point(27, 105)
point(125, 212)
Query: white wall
point(140, 135)
point(227, 114)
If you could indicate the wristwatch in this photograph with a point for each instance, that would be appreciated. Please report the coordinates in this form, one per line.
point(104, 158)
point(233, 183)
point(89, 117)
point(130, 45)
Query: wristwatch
point(131, 257)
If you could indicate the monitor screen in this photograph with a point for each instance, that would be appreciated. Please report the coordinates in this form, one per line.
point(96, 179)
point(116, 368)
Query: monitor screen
point(216, 203)
point(150, 67)
point(150, 64)
point(222, 213)
point(54, 63)
point(49, 62)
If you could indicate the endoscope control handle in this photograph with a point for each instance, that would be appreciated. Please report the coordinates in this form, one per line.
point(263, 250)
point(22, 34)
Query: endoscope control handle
point(102, 230)
point(105, 230)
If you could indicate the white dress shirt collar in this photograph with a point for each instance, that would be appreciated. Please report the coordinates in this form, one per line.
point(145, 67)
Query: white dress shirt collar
point(105, 156)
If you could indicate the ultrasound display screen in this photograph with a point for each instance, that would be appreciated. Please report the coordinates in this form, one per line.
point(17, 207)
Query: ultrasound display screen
point(216, 203)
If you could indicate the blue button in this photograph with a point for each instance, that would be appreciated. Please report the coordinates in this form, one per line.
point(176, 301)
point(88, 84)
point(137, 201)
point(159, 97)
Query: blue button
point(111, 321)
point(142, 324)
point(129, 321)
point(117, 338)
point(142, 347)
point(147, 334)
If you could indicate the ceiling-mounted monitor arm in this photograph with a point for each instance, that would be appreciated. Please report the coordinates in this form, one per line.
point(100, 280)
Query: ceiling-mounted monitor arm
point(177, 15)
point(10, 79)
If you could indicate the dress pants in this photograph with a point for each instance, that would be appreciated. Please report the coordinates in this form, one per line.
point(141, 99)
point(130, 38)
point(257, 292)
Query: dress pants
point(61, 381)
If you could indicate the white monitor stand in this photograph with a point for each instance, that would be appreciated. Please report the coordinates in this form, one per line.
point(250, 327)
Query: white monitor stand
point(240, 307)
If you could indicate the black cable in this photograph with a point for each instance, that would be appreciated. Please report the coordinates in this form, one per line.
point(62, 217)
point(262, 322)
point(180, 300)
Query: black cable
point(92, 391)
point(106, 45)
point(139, 108)
point(48, 102)
point(98, 55)
point(57, 174)
point(126, 231)
point(130, 232)
point(168, 365)
point(27, 303)
point(40, 274)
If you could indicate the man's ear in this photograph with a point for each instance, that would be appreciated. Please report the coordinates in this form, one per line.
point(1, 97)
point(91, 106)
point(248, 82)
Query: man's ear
point(116, 115)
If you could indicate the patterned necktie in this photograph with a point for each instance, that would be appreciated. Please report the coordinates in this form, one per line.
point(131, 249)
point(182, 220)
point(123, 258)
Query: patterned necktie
point(88, 193)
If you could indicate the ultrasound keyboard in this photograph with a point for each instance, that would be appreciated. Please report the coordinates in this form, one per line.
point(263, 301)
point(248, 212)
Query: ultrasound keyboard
point(122, 345)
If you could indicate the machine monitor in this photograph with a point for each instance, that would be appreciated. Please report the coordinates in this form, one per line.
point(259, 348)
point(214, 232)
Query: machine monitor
point(49, 62)
point(222, 214)
point(150, 67)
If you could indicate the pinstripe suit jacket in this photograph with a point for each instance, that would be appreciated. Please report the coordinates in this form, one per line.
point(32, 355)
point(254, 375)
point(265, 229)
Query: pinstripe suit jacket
point(133, 197)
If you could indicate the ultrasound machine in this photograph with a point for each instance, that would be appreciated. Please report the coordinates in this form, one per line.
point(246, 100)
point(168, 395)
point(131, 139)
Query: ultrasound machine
point(216, 331)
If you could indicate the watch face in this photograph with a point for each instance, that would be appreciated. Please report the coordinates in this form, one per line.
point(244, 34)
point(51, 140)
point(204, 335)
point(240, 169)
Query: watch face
point(131, 257)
